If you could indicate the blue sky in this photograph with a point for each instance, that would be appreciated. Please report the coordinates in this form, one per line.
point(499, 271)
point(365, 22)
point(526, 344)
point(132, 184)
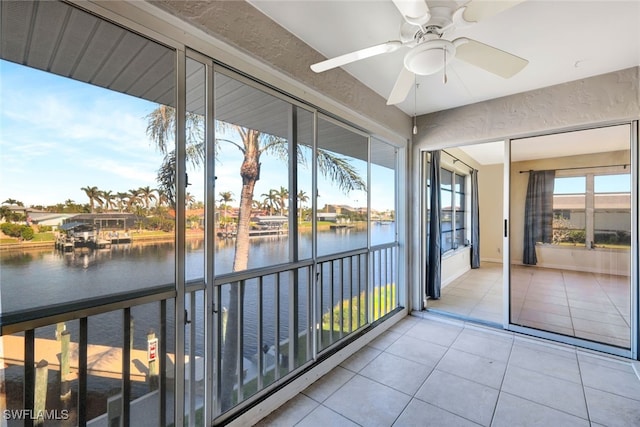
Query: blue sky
point(58, 135)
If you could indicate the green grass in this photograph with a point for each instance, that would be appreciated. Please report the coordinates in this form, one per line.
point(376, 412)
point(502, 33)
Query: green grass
point(354, 314)
point(43, 237)
point(6, 240)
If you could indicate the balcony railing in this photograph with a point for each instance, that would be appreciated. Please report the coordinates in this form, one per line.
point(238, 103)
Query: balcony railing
point(90, 365)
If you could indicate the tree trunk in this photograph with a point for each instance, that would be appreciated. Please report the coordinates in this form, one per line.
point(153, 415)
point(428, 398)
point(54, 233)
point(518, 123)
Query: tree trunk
point(250, 173)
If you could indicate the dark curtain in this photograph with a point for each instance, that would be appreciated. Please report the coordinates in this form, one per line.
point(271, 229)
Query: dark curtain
point(475, 221)
point(538, 213)
point(433, 244)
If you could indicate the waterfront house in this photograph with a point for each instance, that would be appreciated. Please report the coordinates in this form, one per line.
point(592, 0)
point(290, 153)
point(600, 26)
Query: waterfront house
point(463, 310)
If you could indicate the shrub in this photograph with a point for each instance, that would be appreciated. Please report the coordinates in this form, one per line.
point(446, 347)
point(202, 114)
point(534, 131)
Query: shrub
point(27, 232)
point(11, 229)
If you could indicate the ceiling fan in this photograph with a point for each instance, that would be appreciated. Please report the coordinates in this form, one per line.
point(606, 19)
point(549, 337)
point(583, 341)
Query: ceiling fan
point(424, 30)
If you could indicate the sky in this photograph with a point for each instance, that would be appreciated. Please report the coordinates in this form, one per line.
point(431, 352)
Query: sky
point(58, 135)
point(602, 184)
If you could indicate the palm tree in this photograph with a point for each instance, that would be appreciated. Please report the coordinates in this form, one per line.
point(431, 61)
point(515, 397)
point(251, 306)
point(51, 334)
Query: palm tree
point(270, 200)
point(189, 199)
point(302, 198)
point(94, 196)
point(121, 200)
point(13, 202)
point(225, 198)
point(108, 197)
point(5, 212)
point(146, 195)
point(161, 129)
point(162, 199)
point(283, 197)
point(253, 144)
point(133, 199)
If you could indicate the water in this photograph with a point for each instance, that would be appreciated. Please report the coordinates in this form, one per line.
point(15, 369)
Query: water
point(46, 277)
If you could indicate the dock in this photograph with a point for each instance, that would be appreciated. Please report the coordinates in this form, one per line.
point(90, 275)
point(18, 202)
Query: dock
point(102, 361)
point(68, 244)
point(341, 226)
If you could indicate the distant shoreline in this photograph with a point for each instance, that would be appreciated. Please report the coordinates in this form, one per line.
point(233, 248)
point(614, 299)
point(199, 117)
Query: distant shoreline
point(139, 238)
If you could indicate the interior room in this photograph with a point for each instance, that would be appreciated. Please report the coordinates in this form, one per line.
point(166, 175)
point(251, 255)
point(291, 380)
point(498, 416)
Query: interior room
point(579, 283)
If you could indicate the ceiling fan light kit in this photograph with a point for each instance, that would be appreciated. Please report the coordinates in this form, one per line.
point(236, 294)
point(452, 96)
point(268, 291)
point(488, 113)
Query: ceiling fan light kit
point(428, 58)
point(423, 33)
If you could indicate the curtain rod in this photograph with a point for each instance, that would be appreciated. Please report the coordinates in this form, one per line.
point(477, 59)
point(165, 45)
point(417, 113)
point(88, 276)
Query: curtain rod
point(455, 159)
point(576, 168)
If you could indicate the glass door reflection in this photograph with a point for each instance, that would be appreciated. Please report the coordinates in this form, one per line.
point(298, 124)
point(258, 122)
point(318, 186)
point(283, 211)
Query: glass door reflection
point(570, 234)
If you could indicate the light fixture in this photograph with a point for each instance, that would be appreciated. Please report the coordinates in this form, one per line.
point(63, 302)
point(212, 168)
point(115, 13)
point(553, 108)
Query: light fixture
point(426, 58)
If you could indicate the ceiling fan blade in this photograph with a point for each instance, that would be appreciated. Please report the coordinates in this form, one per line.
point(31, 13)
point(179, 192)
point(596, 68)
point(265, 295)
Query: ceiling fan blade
point(348, 58)
point(402, 87)
point(489, 58)
point(415, 12)
point(476, 11)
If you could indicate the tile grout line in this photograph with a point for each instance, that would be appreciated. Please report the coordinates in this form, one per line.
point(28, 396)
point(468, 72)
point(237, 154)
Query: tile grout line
point(584, 392)
point(506, 369)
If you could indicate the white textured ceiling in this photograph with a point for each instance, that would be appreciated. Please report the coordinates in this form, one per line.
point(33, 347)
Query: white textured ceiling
point(564, 40)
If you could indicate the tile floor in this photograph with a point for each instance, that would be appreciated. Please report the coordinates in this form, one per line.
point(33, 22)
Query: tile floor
point(585, 305)
point(433, 371)
point(477, 294)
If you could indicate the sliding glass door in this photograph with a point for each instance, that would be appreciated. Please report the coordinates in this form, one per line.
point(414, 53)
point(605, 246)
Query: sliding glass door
point(572, 237)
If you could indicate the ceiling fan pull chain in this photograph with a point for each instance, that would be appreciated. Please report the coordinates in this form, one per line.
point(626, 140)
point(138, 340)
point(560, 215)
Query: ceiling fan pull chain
point(444, 77)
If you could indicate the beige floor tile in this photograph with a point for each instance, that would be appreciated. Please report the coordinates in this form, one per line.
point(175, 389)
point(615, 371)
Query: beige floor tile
point(396, 372)
point(435, 332)
point(419, 413)
point(328, 384)
point(290, 413)
point(325, 417)
point(486, 316)
point(600, 328)
point(359, 360)
point(479, 369)
point(417, 350)
point(483, 345)
point(596, 316)
point(612, 410)
point(546, 362)
point(367, 402)
point(611, 380)
point(384, 340)
point(546, 390)
point(515, 411)
point(546, 318)
point(444, 390)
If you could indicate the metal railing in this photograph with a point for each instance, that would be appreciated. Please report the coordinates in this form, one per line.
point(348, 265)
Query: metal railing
point(115, 359)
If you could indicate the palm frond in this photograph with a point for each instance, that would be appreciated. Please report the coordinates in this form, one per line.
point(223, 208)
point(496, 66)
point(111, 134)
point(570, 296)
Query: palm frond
point(340, 171)
point(166, 177)
point(161, 127)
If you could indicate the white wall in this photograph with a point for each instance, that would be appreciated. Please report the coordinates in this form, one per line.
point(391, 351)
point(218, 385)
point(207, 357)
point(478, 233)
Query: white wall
point(490, 196)
point(455, 264)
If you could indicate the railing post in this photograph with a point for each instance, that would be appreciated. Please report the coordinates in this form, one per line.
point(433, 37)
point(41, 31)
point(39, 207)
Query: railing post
point(29, 373)
point(40, 395)
point(65, 389)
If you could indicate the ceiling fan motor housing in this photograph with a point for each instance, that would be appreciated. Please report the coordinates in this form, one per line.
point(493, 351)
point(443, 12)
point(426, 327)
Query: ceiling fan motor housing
point(429, 57)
